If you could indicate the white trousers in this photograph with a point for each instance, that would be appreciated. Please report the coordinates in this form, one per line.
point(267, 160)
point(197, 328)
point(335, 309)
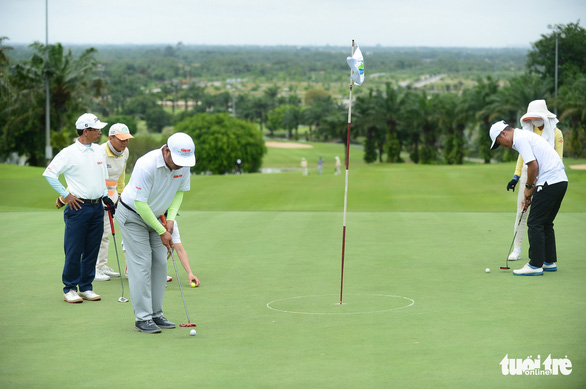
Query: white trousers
point(146, 259)
point(520, 197)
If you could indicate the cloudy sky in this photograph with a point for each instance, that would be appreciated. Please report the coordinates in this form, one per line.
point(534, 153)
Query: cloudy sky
point(434, 23)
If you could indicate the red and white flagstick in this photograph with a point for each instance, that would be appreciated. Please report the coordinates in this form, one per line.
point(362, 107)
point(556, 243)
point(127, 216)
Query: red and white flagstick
point(346, 185)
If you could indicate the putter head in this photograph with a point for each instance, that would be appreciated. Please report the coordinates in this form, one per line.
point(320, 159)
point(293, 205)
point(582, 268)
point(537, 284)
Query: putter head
point(188, 325)
point(505, 268)
point(123, 300)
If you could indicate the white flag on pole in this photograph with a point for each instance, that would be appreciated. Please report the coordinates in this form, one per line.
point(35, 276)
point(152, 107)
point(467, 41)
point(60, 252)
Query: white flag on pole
point(356, 63)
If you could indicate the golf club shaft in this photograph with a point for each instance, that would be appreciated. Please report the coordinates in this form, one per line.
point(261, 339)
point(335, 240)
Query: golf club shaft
point(180, 287)
point(164, 221)
point(117, 258)
point(514, 237)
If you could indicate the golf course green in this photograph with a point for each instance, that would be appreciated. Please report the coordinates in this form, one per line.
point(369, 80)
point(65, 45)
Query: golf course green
point(419, 309)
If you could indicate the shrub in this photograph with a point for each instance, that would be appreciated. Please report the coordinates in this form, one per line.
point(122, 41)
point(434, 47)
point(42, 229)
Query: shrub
point(220, 140)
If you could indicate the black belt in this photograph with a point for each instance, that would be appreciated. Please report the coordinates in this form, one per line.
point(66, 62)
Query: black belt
point(94, 201)
point(126, 206)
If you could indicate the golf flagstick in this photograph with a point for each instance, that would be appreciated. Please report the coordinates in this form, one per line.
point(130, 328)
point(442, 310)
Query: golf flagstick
point(357, 67)
point(122, 299)
point(189, 323)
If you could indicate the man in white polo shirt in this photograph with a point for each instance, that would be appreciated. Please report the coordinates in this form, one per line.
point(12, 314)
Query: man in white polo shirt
point(84, 166)
point(157, 184)
point(546, 187)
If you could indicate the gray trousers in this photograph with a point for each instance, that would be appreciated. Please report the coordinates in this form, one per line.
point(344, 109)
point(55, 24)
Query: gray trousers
point(146, 259)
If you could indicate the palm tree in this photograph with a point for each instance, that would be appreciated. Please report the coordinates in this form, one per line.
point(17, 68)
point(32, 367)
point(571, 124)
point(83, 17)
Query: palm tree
point(477, 102)
point(573, 108)
point(72, 88)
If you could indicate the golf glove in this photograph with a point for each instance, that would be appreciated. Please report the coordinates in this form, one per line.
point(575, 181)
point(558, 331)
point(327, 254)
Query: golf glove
point(513, 183)
point(109, 205)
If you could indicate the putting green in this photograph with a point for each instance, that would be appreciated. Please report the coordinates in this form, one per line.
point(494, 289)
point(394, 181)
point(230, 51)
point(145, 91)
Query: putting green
point(462, 324)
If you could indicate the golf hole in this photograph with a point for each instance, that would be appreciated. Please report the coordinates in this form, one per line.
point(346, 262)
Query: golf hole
point(353, 304)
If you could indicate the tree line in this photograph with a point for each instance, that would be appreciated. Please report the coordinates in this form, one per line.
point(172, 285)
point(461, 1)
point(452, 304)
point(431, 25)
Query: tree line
point(283, 88)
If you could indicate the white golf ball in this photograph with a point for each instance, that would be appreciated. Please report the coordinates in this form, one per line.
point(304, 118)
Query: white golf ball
point(192, 332)
point(487, 270)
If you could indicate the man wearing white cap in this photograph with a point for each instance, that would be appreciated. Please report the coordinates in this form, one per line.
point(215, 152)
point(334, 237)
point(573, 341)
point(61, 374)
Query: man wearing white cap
point(546, 187)
point(540, 120)
point(116, 149)
point(158, 182)
point(84, 166)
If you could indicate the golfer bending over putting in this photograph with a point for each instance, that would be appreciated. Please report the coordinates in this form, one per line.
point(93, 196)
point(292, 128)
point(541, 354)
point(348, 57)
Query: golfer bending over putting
point(157, 183)
point(544, 191)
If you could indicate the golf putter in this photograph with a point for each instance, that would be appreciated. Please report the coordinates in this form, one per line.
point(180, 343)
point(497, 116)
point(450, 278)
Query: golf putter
point(189, 323)
point(506, 267)
point(122, 299)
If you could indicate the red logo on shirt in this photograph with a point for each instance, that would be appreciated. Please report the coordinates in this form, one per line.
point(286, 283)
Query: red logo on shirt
point(99, 163)
point(179, 176)
point(138, 187)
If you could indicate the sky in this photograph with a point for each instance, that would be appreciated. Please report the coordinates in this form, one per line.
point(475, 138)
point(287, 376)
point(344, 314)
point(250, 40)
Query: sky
point(396, 23)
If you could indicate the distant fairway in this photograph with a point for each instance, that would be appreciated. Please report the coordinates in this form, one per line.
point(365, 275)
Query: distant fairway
point(421, 312)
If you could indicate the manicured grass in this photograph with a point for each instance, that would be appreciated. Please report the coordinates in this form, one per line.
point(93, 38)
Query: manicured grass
point(424, 233)
point(382, 187)
point(462, 323)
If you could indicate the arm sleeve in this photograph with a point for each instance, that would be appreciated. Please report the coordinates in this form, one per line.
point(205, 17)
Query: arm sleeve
point(519, 166)
point(148, 216)
point(58, 186)
point(559, 143)
point(174, 207)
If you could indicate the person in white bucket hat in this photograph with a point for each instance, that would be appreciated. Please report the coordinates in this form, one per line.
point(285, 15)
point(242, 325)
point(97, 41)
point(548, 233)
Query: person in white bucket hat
point(546, 187)
point(157, 184)
point(541, 121)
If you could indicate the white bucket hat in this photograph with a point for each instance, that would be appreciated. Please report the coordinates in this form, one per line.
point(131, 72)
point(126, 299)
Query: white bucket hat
point(182, 149)
point(539, 109)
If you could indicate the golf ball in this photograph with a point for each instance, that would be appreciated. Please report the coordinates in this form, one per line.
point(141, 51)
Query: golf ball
point(487, 270)
point(192, 332)
point(193, 284)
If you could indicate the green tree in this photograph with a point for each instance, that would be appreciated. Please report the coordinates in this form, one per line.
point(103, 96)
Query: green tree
point(573, 105)
point(220, 140)
point(571, 53)
point(477, 103)
point(72, 87)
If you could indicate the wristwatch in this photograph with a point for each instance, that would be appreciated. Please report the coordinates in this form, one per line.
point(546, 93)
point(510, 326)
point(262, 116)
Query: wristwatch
point(529, 186)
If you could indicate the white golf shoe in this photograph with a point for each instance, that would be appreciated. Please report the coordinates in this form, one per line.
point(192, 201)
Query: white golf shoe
point(100, 276)
point(515, 255)
point(72, 297)
point(550, 266)
point(109, 272)
point(90, 295)
point(528, 270)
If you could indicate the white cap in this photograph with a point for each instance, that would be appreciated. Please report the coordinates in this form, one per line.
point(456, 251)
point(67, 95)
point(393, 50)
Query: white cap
point(495, 131)
point(89, 120)
point(120, 131)
point(182, 149)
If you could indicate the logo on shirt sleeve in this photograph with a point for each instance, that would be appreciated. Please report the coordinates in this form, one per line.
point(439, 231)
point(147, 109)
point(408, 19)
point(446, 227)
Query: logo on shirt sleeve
point(138, 187)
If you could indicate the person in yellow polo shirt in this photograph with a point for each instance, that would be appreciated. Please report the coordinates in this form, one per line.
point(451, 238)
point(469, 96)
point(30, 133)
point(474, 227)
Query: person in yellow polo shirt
point(541, 121)
point(116, 149)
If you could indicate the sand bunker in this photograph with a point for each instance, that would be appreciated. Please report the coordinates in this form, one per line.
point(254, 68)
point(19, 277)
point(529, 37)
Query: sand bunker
point(288, 145)
point(578, 167)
